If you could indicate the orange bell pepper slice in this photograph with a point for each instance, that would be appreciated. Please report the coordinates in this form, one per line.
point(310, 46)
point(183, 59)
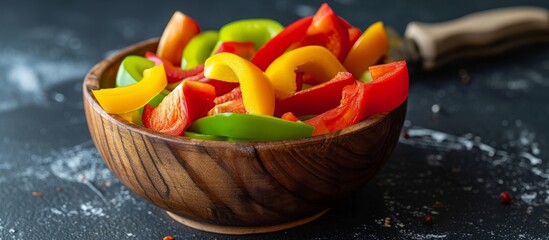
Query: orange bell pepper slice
point(367, 50)
point(178, 32)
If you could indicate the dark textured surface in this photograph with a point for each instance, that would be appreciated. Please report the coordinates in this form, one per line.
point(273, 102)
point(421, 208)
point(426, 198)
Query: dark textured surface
point(491, 134)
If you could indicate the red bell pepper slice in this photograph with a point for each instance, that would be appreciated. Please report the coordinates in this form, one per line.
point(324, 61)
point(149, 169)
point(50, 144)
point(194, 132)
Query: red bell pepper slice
point(290, 117)
point(234, 106)
point(317, 99)
point(173, 73)
point(354, 32)
point(189, 101)
point(234, 94)
point(221, 87)
point(243, 49)
point(387, 91)
point(327, 30)
point(281, 42)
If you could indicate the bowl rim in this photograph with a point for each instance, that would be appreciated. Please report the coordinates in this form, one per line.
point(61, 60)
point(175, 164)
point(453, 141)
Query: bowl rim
point(93, 78)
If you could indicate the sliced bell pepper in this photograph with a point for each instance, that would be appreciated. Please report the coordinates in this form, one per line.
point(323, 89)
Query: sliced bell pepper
point(367, 50)
point(281, 42)
point(234, 106)
point(327, 30)
point(315, 61)
point(289, 116)
point(178, 32)
point(252, 127)
point(258, 31)
point(243, 49)
point(189, 101)
point(198, 49)
point(204, 136)
point(354, 32)
point(387, 91)
point(317, 99)
point(221, 87)
point(173, 73)
point(234, 94)
point(257, 91)
point(131, 71)
point(133, 116)
point(132, 97)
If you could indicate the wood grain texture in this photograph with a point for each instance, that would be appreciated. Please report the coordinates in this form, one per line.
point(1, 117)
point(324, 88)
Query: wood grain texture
point(479, 34)
point(237, 184)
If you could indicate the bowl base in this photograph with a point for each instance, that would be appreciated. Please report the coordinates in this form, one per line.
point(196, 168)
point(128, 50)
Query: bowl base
point(235, 230)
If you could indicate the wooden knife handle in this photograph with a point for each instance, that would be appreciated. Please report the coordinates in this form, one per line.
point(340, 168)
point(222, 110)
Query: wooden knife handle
point(478, 34)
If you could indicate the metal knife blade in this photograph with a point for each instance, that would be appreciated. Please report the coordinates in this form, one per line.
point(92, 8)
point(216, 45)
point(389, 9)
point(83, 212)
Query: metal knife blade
point(431, 45)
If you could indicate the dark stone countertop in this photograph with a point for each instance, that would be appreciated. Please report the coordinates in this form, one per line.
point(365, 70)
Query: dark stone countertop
point(489, 135)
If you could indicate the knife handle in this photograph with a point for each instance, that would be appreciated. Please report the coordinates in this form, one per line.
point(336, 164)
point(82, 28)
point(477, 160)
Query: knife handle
point(479, 34)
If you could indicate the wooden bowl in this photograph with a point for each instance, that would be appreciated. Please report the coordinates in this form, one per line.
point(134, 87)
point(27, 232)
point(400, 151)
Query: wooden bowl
point(236, 187)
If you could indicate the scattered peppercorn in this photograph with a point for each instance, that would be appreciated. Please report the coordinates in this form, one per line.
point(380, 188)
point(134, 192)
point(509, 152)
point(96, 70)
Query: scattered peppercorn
point(428, 219)
point(505, 197)
point(168, 238)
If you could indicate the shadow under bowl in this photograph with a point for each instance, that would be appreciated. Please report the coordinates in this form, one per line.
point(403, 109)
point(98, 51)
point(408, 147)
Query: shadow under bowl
point(236, 187)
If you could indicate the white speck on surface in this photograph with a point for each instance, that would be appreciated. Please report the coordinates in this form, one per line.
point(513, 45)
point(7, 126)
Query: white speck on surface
point(59, 97)
point(518, 123)
point(443, 141)
point(24, 78)
point(56, 211)
point(533, 160)
point(63, 211)
point(435, 108)
point(535, 149)
point(519, 157)
point(12, 231)
point(79, 163)
point(5, 166)
point(31, 74)
point(540, 173)
point(89, 210)
point(519, 84)
point(110, 52)
point(39, 172)
point(528, 80)
point(304, 10)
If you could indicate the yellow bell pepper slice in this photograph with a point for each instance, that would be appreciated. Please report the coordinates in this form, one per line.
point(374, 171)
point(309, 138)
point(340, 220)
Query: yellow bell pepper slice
point(257, 92)
point(133, 117)
point(316, 61)
point(129, 98)
point(367, 50)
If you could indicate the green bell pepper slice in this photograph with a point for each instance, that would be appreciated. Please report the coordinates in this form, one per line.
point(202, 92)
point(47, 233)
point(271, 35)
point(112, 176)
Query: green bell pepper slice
point(131, 70)
point(199, 49)
point(204, 136)
point(258, 31)
point(250, 127)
